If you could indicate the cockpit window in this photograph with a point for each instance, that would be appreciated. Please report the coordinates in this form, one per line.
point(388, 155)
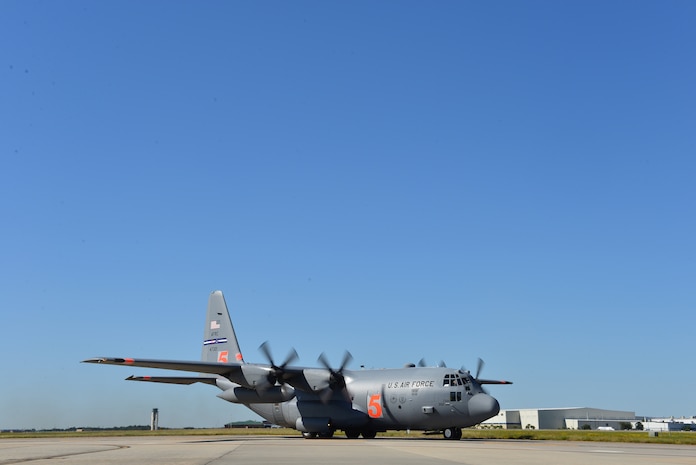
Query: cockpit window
point(453, 379)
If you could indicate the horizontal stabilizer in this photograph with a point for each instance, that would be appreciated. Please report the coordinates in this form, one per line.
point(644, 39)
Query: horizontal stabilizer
point(196, 367)
point(174, 379)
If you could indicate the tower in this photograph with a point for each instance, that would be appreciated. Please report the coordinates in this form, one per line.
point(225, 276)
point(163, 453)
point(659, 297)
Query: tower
point(154, 420)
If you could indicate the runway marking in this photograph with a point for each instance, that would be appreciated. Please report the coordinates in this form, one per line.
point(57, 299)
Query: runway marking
point(58, 456)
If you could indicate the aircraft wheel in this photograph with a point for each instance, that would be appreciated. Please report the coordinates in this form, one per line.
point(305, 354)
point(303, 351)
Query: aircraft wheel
point(457, 434)
point(308, 435)
point(328, 435)
point(452, 433)
point(369, 434)
point(352, 434)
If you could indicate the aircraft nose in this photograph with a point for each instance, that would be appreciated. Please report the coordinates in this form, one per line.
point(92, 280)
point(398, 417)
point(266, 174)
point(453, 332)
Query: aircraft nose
point(482, 406)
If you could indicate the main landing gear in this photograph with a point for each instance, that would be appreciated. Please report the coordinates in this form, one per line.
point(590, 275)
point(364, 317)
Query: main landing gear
point(355, 434)
point(454, 433)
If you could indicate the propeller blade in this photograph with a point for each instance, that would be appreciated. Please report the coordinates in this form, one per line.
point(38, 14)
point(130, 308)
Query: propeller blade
point(322, 359)
point(479, 367)
point(292, 357)
point(326, 394)
point(266, 350)
point(492, 381)
point(422, 363)
point(347, 358)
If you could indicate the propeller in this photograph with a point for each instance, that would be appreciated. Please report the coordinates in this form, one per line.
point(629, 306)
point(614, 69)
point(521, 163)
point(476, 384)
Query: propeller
point(441, 364)
point(277, 371)
point(336, 379)
point(479, 367)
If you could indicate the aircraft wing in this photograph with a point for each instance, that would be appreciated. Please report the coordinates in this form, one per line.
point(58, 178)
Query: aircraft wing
point(175, 379)
point(224, 369)
point(249, 375)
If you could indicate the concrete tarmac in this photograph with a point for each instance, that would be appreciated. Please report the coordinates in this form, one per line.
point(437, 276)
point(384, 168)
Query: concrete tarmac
point(219, 450)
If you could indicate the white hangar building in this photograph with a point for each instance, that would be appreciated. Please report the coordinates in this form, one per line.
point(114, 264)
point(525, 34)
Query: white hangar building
point(560, 418)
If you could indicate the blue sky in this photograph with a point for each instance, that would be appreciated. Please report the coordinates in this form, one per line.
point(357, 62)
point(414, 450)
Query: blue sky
point(505, 180)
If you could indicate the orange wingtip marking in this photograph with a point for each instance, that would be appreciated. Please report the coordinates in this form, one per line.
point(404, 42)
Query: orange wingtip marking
point(128, 361)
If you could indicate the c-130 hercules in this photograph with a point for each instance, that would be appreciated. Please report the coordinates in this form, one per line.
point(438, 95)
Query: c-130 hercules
point(319, 401)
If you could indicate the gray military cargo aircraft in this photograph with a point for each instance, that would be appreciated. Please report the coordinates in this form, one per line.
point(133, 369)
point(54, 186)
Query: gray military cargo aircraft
point(320, 401)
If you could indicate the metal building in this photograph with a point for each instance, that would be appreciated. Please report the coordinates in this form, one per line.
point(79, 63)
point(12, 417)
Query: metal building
point(560, 418)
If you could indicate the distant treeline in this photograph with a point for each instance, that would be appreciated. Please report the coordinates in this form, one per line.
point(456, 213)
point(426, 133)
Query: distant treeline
point(236, 424)
point(86, 428)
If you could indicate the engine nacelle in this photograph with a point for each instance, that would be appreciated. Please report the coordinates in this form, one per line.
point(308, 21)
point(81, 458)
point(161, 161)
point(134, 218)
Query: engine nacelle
point(316, 379)
point(272, 395)
point(254, 377)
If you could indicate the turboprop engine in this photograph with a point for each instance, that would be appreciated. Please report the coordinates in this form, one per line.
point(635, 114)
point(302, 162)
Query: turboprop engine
point(272, 395)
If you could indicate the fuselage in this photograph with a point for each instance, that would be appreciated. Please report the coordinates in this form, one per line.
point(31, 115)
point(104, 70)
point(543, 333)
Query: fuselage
point(418, 398)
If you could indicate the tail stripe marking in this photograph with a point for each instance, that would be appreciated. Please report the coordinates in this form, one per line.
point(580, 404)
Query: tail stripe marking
point(221, 340)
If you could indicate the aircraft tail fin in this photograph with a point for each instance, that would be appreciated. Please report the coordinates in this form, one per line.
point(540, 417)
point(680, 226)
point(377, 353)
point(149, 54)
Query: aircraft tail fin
point(219, 340)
